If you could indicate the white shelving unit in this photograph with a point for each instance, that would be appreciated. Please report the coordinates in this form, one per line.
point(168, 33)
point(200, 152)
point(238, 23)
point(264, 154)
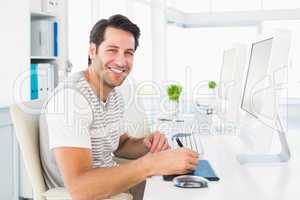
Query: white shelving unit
point(49, 58)
point(35, 14)
point(48, 47)
point(59, 66)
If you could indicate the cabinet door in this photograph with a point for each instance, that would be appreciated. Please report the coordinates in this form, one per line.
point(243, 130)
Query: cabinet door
point(8, 164)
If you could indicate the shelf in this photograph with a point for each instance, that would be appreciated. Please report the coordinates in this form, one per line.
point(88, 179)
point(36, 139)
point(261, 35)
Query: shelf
point(41, 15)
point(43, 58)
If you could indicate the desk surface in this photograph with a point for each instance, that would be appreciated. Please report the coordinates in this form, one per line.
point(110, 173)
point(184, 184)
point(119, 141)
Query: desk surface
point(248, 182)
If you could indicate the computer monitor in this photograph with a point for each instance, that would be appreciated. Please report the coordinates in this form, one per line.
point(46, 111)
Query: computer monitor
point(260, 95)
point(230, 85)
point(257, 79)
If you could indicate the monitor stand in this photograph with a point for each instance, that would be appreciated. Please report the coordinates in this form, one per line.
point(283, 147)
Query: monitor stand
point(283, 156)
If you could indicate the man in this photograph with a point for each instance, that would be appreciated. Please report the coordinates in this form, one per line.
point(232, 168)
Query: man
point(82, 124)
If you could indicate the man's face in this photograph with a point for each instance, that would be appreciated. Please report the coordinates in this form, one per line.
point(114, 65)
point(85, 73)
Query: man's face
point(114, 59)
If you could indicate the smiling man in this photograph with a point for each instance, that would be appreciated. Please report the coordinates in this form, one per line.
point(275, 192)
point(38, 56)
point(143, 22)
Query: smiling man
point(82, 125)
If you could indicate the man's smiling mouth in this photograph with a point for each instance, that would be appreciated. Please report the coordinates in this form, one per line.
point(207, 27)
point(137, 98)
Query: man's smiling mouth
point(116, 70)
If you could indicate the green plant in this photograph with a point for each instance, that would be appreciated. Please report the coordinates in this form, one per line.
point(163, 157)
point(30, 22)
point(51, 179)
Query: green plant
point(212, 84)
point(174, 92)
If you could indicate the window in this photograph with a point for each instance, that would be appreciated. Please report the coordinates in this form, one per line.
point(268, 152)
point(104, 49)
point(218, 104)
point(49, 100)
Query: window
point(111, 7)
point(190, 5)
point(280, 4)
point(235, 5)
point(140, 14)
point(231, 5)
point(142, 68)
point(78, 33)
point(195, 54)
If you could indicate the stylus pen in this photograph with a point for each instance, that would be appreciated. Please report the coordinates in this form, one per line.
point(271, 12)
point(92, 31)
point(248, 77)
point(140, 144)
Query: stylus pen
point(179, 142)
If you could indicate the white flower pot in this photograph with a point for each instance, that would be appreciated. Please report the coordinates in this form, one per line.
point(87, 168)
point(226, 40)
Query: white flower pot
point(174, 109)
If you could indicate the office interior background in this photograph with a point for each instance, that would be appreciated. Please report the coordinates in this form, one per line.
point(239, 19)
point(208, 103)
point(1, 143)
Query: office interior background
point(182, 41)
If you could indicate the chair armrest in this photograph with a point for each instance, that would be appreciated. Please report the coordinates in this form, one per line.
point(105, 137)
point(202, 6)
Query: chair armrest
point(61, 193)
point(120, 160)
point(121, 196)
point(58, 193)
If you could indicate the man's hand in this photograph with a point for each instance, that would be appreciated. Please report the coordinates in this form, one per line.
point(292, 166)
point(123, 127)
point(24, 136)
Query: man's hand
point(156, 142)
point(177, 161)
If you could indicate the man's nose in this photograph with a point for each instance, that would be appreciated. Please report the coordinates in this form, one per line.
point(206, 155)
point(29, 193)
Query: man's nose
point(120, 60)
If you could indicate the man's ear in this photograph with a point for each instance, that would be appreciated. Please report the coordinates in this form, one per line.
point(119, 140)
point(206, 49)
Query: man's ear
point(92, 51)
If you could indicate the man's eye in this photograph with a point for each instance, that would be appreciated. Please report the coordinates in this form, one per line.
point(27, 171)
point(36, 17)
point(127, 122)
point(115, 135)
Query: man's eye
point(111, 50)
point(130, 53)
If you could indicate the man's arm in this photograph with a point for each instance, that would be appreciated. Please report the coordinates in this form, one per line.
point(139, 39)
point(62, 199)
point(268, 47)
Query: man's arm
point(86, 183)
point(132, 148)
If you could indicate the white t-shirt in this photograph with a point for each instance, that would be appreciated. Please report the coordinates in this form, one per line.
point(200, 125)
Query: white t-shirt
point(75, 117)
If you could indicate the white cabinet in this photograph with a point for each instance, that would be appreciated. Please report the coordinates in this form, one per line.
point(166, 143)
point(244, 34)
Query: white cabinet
point(9, 159)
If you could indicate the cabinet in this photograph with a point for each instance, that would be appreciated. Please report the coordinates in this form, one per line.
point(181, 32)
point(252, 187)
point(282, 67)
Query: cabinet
point(9, 159)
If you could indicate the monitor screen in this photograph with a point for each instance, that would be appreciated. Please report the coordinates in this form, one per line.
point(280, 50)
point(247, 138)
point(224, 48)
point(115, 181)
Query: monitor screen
point(255, 88)
point(231, 84)
point(227, 72)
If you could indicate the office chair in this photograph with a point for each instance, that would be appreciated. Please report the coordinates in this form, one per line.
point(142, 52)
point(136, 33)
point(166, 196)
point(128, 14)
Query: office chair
point(25, 118)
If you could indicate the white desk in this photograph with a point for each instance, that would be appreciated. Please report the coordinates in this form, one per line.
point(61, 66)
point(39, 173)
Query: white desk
point(246, 182)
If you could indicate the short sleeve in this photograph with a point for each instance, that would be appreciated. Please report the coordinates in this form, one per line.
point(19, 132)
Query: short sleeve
point(68, 116)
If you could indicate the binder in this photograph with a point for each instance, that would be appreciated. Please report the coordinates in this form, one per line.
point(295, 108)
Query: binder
point(33, 82)
point(55, 39)
point(42, 38)
point(42, 80)
point(51, 78)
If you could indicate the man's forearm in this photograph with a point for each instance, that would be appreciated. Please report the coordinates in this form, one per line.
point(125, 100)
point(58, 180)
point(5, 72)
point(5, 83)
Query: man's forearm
point(132, 148)
point(104, 182)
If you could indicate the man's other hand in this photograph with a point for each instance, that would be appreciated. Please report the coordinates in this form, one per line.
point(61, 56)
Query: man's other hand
point(156, 142)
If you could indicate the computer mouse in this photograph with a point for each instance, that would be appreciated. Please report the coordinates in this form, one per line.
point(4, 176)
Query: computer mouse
point(190, 181)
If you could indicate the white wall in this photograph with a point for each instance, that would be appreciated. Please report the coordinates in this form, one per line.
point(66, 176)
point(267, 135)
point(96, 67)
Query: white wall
point(14, 50)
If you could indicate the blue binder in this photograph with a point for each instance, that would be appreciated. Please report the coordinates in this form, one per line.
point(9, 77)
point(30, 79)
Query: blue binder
point(34, 91)
point(55, 39)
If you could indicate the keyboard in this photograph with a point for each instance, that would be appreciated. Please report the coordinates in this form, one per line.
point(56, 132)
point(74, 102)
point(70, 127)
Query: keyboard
point(189, 140)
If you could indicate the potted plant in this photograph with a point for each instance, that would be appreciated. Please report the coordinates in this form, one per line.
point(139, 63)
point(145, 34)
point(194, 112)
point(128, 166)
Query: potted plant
point(212, 85)
point(174, 92)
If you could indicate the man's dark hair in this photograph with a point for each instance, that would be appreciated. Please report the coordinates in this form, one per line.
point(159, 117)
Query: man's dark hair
point(115, 21)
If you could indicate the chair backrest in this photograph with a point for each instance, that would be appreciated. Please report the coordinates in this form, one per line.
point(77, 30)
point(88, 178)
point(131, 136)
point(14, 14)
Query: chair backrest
point(25, 118)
